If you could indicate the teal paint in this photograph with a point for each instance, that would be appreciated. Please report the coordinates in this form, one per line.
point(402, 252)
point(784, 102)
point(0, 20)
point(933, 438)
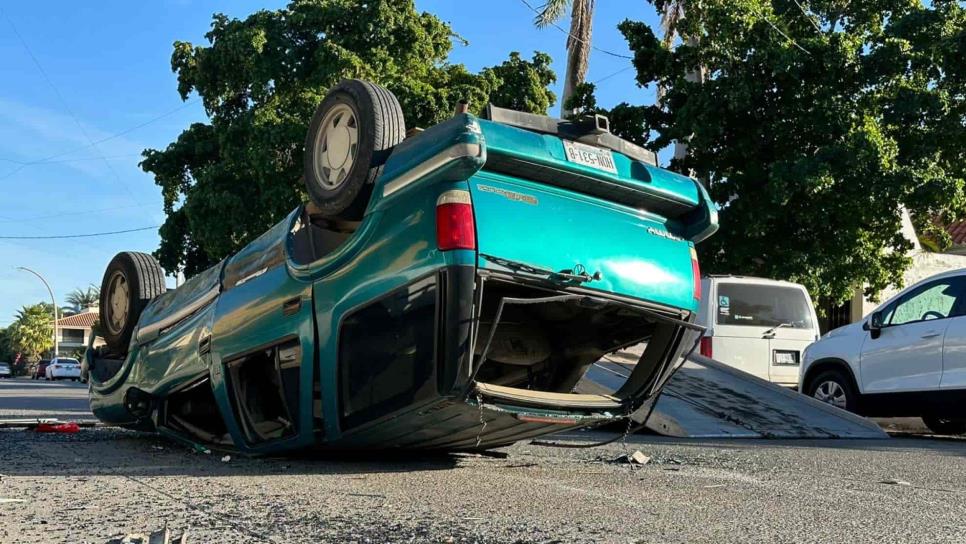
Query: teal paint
point(639, 253)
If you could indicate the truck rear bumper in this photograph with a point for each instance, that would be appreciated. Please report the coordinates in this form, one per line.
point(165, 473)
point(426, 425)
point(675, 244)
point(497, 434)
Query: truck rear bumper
point(532, 348)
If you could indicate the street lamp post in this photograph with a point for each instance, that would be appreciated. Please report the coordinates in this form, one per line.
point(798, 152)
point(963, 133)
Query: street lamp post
point(52, 301)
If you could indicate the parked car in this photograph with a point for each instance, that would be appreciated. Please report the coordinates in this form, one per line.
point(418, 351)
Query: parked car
point(443, 292)
point(907, 358)
point(5, 370)
point(757, 325)
point(63, 368)
point(40, 371)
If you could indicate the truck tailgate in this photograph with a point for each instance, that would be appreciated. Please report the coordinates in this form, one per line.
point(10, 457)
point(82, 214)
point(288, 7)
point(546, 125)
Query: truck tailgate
point(627, 252)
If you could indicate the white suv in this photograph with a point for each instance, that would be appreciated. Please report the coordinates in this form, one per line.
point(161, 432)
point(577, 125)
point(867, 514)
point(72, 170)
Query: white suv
point(907, 358)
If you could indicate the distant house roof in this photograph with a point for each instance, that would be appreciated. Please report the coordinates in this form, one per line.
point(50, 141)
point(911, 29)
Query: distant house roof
point(85, 320)
point(957, 231)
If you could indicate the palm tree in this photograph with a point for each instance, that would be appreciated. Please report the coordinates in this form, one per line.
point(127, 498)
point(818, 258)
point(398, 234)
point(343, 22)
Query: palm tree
point(578, 42)
point(671, 15)
point(82, 298)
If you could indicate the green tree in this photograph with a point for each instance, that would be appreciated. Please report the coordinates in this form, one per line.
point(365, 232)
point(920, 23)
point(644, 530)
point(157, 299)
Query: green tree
point(7, 351)
point(32, 331)
point(82, 298)
point(226, 181)
point(626, 121)
point(815, 124)
point(524, 85)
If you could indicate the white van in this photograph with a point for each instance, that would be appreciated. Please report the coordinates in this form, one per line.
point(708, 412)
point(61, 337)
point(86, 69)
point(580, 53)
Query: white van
point(757, 325)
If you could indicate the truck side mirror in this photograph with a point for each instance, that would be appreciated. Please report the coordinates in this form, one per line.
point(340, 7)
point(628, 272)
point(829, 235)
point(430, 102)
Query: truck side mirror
point(875, 324)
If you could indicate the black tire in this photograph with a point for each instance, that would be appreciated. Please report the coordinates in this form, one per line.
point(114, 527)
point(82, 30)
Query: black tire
point(143, 280)
point(822, 384)
point(945, 426)
point(379, 127)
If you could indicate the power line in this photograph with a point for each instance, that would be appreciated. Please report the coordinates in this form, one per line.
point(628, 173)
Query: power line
point(81, 159)
point(66, 214)
point(50, 158)
point(67, 107)
point(786, 36)
point(90, 235)
point(621, 71)
point(585, 42)
point(808, 16)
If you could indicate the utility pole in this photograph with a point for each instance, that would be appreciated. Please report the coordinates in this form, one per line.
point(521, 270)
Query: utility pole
point(53, 301)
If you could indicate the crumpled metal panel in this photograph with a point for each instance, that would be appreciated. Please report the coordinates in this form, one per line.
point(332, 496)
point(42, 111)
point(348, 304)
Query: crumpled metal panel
point(176, 299)
point(261, 254)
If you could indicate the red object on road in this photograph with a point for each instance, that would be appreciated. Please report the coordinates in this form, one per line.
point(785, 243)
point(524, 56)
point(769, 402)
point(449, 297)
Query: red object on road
point(68, 428)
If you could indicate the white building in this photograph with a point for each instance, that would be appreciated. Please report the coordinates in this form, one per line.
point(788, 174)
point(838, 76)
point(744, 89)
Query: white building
point(74, 331)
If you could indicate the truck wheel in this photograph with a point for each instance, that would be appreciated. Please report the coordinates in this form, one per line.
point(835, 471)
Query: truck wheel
point(349, 139)
point(131, 280)
point(835, 388)
point(940, 425)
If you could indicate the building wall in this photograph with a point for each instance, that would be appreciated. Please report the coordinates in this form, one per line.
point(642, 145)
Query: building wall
point(67, 348)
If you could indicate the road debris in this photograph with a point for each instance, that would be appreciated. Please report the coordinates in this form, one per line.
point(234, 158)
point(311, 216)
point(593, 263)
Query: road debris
point(37, 422)
point(200, 449)
point(226, 459)
point(894, 481)
point(68, 427)
point(636, 458)
point(522, 465)
point(5, 501)
point(158, 537)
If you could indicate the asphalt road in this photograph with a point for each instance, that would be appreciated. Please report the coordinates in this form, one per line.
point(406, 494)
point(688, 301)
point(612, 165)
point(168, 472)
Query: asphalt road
point(26, 398)
point(103, 482)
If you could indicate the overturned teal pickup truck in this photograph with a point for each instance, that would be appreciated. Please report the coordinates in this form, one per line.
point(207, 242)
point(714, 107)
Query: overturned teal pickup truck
point(442, 291)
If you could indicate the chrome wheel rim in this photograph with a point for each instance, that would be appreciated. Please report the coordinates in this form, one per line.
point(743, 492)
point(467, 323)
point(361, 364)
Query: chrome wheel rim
point(336, 146)
point(832, 393)
point(118, 296)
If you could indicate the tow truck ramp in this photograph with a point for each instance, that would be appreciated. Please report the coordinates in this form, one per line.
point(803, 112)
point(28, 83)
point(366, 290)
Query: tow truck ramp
point(708, 399)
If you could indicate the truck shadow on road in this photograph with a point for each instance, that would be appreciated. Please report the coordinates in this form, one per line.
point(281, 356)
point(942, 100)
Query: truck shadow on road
point(104, 451)
point(110, 451)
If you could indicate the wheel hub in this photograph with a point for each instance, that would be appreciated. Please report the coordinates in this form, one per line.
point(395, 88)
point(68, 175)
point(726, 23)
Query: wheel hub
point(336, 146)
point(832, 393)
point(118, 296)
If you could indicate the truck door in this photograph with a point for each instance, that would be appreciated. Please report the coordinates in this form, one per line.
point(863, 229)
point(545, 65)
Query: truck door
point(263, 343)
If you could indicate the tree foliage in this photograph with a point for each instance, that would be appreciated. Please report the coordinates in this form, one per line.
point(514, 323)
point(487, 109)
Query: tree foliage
point(227, 180)
point(524, 84)
point(7, 351)
point(818, 122)
point(627, 121)
point(31, 333)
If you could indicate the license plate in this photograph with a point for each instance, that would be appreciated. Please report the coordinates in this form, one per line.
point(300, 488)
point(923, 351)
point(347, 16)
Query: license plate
point(591, 156)
point(786, 357)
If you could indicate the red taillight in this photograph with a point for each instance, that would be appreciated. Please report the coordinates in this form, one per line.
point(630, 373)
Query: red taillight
point(706, 347)
point(696, 272)
point(454, 221)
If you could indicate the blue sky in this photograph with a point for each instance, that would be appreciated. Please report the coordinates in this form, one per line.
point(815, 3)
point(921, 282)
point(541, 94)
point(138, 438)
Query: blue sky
point(104, 69)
